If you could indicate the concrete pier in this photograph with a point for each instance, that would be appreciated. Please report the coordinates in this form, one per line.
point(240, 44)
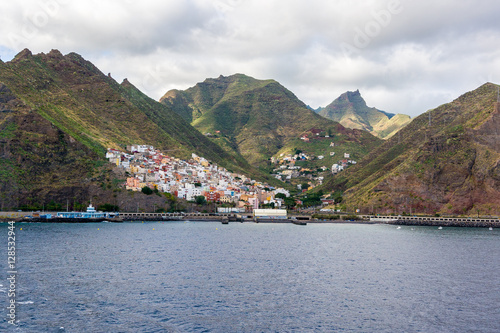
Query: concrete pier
point(438, 221)
point(493, 222)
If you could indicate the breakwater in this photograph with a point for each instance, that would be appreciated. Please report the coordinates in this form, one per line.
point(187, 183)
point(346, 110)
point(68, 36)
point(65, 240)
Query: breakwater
point(62, 220)
point(438, 221)
point(231, 217)
point(201, 217)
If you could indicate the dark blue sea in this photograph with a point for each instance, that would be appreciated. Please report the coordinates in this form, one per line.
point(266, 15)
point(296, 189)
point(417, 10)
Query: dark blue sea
point(246, 277)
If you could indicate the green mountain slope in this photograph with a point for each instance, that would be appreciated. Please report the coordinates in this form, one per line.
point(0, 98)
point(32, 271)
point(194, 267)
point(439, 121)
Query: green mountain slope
point(184, 133)
point(254, 118)
point(447, 163)
point(39, 160)
point(91, 107)
point(89, 112)
point(351, 111)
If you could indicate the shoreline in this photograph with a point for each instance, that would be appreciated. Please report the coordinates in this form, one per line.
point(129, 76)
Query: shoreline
point(225, 220)
point(454, 224)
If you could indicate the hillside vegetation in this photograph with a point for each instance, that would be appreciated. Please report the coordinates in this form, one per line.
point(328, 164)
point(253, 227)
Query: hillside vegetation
point(447, 160)
point(254, 118)
point(60, 113)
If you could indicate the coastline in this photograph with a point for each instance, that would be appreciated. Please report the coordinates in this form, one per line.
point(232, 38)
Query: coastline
point(461, 223)
point(456, 224)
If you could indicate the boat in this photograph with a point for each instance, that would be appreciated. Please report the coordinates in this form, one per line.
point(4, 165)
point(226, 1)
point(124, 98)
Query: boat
point(297, 222)
point(90, 215)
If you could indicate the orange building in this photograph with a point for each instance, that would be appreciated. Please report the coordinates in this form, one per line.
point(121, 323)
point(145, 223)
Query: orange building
point(212, 196)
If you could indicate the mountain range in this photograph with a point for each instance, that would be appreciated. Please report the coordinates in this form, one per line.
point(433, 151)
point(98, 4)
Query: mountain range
point(256, 118)
point(59, 113)
point(350, 110)
point(445, 161)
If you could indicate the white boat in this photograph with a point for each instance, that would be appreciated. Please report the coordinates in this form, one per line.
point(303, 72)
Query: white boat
point(91, 213)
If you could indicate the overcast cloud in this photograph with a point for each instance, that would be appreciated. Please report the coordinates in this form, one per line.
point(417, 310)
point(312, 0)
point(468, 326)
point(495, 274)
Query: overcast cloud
point(405, 56)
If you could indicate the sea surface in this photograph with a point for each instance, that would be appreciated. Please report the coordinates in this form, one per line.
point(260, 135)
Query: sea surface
point(247, 277)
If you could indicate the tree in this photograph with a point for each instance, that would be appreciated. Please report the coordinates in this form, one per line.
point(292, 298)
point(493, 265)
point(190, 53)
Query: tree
point(108, 208)
point(147, 190)
point(200, 200)
point(337, 196)
point(311, 200)
point(169, 196)
point(268, 205)
point(290, 202)
point(53, 206)
point(280, 195)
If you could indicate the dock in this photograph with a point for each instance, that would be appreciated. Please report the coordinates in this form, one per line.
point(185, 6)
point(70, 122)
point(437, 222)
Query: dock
point(226, 218)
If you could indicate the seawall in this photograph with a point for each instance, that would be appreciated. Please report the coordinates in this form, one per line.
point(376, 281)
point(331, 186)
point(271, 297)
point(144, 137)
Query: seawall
point(470, 224)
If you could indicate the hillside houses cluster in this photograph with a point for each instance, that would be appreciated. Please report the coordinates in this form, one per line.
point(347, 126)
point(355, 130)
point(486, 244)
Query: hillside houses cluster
point(189, 179)
point(288, 170)
point(342, 164)
point(314, 133)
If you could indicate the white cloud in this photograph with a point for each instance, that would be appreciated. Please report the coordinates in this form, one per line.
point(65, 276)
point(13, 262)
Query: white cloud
point(404, 56)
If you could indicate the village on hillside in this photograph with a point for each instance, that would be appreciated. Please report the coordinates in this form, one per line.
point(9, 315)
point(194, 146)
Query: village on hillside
point(287, 164)
point(193, 178)
point(288, 170)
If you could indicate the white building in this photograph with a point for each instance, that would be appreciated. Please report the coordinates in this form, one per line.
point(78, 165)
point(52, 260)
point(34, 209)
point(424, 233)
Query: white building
point(270, 213)
point(282, 190)
point(140, 148)
point(336, 168)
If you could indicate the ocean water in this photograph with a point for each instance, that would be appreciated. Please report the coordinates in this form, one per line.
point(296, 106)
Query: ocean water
point(246, 277)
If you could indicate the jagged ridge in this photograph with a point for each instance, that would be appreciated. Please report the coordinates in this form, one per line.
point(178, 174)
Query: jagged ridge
point(350, 110)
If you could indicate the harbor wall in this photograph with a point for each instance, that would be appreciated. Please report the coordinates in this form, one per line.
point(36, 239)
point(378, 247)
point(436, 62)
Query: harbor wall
point(473, 223)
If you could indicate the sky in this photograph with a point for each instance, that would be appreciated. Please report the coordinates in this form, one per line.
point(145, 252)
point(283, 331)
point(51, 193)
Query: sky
point(404, 56)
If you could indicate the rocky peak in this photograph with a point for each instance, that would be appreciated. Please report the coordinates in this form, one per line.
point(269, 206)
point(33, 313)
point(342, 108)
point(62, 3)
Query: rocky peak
point(78, 59)
point(126, 83)
point(352, 97)
point(55, 54)
point(173, 93)
point(23, 55)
